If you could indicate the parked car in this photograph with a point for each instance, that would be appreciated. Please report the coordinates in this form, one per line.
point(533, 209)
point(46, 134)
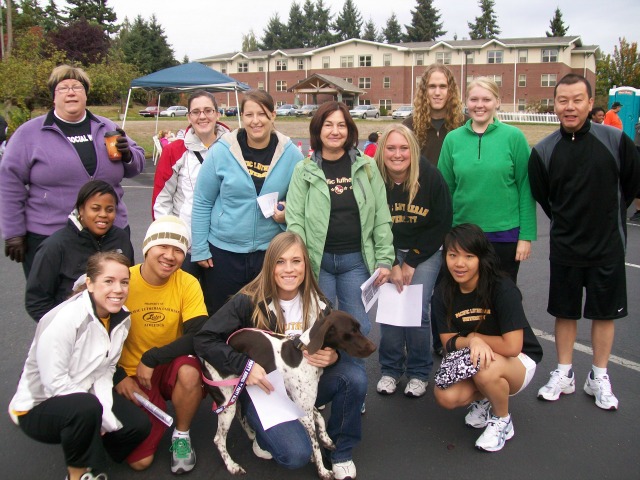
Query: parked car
point(306, 111)
point(149, 112)
point(365, 111)
point(286, 110)
point(231, 112)
point(403, 112)
point(174, 111)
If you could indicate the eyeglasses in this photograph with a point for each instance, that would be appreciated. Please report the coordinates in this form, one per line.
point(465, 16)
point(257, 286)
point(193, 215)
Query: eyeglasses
point(76, 89)
point(208, 112)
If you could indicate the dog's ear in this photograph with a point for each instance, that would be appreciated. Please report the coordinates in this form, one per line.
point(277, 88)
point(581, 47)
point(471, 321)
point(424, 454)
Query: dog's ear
point(318, 333)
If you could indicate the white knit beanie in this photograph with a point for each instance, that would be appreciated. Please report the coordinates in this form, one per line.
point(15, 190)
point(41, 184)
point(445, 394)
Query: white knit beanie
point(167, 230)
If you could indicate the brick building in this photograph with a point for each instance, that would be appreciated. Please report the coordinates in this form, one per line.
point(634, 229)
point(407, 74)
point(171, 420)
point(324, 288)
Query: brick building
point(526, 69)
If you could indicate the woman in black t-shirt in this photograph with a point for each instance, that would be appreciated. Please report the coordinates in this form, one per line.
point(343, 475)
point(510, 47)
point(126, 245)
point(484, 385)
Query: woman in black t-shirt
point(479, 308)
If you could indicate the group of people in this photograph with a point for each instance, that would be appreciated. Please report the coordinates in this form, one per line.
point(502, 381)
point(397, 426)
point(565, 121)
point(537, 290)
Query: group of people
point(215, 261)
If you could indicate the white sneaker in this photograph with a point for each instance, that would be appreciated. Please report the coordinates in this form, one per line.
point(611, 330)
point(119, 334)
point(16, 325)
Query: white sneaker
point(92, 476)
point(344, 470)
point(496, 434)
point(259, 452)
point(478, 414)
point(387, 385)
point(600, 387)
point(416, 388)
point(558, 384)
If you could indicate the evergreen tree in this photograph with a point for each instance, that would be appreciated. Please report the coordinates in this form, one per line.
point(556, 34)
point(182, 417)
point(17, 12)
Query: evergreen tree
point(322, 25)
point(425, 23)
point(349, 22)
point(144, 44)
point(52, 17)
point(249, 42)
point(185, 59)
point(309, 25)
point(95, 11)
point(486, 25)
point(273, 37)
point(28, 14)
point(557, 26)
point(296, 32)
point(393, 31)
point(370, 31)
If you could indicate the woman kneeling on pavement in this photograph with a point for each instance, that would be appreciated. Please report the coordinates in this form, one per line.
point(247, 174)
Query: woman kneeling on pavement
point(285, 298)
point(65, 394)
point(479, 307)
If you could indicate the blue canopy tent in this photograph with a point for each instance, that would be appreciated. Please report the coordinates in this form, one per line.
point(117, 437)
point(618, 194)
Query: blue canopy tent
point(188, 76)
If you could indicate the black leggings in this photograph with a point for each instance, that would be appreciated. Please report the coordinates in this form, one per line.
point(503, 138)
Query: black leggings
point(507, 254)
point(74, 421)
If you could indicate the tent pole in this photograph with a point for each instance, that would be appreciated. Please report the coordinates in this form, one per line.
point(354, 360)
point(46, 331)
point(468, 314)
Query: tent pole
point(124, 119)
point(238, 109)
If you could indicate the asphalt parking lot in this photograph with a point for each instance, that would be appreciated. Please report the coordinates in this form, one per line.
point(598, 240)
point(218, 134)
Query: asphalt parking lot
point(402, 438)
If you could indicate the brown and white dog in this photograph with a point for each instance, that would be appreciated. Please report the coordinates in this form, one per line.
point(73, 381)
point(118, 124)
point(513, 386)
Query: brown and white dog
point(337, 330)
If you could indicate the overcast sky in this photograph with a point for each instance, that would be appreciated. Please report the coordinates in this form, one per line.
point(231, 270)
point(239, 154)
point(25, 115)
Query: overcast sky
point(201, 28)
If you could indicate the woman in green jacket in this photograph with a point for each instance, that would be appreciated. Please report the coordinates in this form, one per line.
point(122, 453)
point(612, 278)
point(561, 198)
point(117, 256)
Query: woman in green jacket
point(484, 163)
point(337, 204)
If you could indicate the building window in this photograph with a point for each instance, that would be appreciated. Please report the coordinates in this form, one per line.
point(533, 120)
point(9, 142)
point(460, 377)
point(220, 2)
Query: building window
point(469, 79)
point(522, 80)
point(243, 67)
point(346, 61)
point(547, 103)
point(261, 66)
point(443, 58)
point(419, 58)
point(348, 80)
point(281, 85)
point(281, 65)
point(522, 104)
point(301, 64)
point(549, 79)
point(279, 104)
point(470, 58)
point(386, 59)
point(364, 82)
point(497, 79)
point(326, 62)
point(364, 60)
point(549, 55)
point(223, 70)
point(386, 82)
point(260, 85)
point(523, 56)
point(364, 102)
point(494, 56)
point(385, 104)
point(418, 80)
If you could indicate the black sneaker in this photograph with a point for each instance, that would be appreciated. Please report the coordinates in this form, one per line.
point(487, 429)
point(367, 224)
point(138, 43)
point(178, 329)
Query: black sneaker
point(635, 218)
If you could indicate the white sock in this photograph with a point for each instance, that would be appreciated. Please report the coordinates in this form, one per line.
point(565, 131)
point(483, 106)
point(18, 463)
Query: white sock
point(565, 368)
point(178, 433)
point(598, 372)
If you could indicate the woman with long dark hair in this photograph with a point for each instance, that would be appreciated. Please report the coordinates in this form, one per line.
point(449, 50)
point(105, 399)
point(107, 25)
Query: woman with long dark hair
point(480, 308)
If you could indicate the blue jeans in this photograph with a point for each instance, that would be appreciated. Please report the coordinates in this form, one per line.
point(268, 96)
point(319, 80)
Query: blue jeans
point(344, 385)
point(340, 278)
point(417, 362)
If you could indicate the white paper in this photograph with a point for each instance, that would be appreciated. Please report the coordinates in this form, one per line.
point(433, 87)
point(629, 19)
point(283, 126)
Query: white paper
point(369, 291)
point(268, 203)
point(400, 309)
point(276, 407)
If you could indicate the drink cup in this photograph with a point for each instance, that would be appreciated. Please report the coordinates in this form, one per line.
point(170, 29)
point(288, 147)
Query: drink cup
point(110, 141)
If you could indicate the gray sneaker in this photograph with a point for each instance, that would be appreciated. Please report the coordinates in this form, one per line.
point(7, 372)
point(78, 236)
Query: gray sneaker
point(183, 458)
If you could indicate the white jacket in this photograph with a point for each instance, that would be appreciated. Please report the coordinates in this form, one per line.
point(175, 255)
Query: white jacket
point(72, 352)
point(176, 197)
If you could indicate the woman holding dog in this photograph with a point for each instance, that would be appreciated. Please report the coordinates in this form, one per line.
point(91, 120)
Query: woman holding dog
point(284, 298)
point(480, 308)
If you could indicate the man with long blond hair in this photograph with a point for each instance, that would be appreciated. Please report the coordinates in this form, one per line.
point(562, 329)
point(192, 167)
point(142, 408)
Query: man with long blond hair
point(437, 109)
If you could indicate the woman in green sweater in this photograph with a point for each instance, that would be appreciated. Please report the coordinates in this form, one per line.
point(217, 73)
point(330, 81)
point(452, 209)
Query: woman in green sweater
point(484, 163)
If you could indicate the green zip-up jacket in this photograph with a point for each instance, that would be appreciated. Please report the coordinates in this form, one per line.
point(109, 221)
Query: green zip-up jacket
point(488, 178)
point(309, 206)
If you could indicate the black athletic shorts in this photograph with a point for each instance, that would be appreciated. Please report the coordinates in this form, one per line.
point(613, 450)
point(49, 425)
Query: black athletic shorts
point(606, 289)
